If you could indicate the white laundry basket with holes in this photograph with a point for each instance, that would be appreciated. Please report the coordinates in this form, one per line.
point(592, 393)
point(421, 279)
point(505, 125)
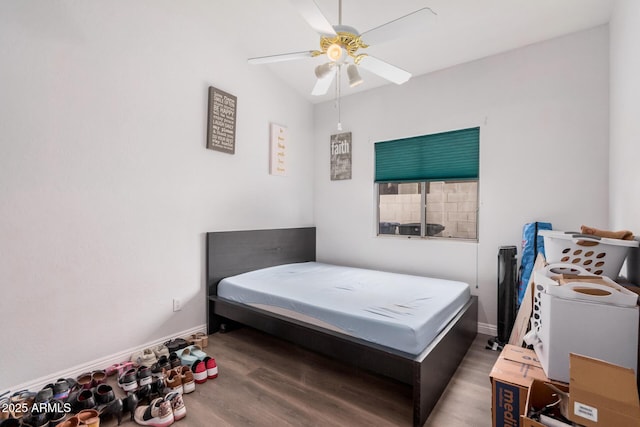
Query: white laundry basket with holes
point(540, 285)
point(603, 325)
point(597, 255)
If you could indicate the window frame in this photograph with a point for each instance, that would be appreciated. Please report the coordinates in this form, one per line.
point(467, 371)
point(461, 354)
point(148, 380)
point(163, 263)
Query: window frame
point(423, 212)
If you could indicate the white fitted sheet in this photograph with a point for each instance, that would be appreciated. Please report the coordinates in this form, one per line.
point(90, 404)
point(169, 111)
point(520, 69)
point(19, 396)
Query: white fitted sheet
point(399, 311)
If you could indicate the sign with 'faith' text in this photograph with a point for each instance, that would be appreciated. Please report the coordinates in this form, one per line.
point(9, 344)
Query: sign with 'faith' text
point(340, 156)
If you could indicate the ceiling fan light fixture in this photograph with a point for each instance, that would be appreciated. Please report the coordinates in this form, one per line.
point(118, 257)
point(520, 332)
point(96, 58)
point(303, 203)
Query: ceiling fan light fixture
point(334, 52)
point(323, 70)
point(354, 76)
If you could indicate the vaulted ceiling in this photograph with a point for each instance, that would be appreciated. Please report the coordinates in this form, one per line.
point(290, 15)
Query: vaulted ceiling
point(462, 31)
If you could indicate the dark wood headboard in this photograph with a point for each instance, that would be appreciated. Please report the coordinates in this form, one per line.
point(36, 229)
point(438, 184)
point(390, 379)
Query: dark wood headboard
point(236, 252)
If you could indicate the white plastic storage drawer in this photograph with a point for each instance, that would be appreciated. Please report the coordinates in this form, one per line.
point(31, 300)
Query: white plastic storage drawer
point(603, 331)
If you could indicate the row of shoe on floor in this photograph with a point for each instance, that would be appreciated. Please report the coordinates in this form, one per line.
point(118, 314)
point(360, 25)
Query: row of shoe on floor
point(153, 383)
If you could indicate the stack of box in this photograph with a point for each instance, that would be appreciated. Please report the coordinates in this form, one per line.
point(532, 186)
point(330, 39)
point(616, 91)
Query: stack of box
point(588, 315)
point(511, 377)
point(600, 394)
point(585, 333)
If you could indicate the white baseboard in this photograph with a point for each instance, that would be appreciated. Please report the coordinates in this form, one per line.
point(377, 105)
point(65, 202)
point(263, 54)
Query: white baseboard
point(487, 329)
point(102, 363)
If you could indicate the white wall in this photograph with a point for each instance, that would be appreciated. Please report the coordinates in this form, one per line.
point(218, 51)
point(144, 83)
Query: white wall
point(106, 188)
point(625, 113)
point(543, 114)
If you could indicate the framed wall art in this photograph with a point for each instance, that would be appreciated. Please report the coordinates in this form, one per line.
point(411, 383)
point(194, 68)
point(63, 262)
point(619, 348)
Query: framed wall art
point(278, 146)
point(340, 145)
point(221, 127)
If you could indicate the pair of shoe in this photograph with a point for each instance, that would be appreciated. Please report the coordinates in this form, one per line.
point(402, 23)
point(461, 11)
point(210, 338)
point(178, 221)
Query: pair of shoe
point(19, 403)
point(59, 390)
point(180, 380)
point(87, 417)
point(118, 407)
point(205, 369)
point(119, 368)
point(191, 354)
point(176, 344)
point(92, 379)
point(132, 378)
point(200, 339)
point(162, 411)
point(91, 398)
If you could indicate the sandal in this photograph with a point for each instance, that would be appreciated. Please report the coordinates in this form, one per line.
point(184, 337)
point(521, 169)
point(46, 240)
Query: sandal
point(204, 337)
point(186, 358)
point(196, 351)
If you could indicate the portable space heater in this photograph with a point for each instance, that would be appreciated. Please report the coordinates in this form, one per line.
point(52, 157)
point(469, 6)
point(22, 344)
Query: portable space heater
point(507, 295)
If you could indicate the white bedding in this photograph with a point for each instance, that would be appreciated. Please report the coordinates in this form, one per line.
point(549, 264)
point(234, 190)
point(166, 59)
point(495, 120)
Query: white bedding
point(399, 311)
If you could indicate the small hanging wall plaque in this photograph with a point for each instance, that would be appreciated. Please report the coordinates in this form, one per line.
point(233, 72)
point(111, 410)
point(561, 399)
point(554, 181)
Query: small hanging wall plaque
point(221, 131)
point(340, 156)
point(278, 140)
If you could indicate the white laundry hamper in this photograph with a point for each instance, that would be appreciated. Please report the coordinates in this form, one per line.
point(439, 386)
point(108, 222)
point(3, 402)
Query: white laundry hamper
point(597, 255)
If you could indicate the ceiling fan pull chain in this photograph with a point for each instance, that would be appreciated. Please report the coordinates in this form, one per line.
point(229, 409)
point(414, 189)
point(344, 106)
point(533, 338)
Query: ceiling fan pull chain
point(338, 69)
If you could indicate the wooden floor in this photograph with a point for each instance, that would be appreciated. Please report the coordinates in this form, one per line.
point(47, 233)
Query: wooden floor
point(264, 381)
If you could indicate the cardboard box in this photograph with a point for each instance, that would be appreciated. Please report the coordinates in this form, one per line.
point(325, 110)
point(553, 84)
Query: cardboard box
point(604, 331)
point(540, 395)
point(636, 289)
point(601, 394)
point(511, 377)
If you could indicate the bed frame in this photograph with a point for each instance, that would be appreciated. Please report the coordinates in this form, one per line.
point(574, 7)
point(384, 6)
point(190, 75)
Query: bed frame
point(235, 252)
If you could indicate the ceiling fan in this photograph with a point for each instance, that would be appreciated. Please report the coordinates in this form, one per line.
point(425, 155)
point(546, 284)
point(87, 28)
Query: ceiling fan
point(342, 45)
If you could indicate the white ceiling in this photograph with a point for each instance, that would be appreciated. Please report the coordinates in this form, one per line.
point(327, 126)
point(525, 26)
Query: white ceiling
point(462, 31)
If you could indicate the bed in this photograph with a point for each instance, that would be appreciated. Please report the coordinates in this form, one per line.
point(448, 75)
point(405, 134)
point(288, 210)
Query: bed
point(240, 254)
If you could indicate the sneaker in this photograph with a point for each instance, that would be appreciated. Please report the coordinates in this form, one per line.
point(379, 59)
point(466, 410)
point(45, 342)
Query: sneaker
point(188, 381)
point(176, 344)
point(160, 367)
point(199, 370)
point(157, 414)
point(128, 380)
point(145, 357)
point(174, 360)
point(144, 375)
point(212, 368)
point(177, 405)
point(173, 381)
point(161, 350)
point(61, 389)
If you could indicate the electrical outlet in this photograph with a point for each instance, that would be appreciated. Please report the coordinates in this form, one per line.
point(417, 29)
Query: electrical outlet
point(177, 304)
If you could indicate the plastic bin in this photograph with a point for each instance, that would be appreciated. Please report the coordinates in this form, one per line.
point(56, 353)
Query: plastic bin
point(597, 255)
point(433, 229)
point(413, 229)
point(388, 227)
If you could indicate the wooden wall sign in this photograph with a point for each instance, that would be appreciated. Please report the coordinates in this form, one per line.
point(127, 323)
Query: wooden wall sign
point(221, 131)
point(278, 140)
point(340, 156)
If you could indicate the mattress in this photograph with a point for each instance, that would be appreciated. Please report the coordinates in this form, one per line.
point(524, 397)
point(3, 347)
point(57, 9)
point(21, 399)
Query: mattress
point(398, 311)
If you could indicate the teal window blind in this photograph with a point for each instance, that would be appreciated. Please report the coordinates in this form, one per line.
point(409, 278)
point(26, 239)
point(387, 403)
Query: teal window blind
point(443, 156)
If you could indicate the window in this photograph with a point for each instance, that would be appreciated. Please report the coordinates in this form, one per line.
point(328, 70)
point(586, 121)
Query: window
point(428, 185)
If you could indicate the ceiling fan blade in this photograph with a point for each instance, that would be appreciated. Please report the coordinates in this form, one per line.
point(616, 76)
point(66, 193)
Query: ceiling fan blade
point(385, 70)
point(312, 14)
point(323, 84)
point(281, 57)
point(401, 27)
